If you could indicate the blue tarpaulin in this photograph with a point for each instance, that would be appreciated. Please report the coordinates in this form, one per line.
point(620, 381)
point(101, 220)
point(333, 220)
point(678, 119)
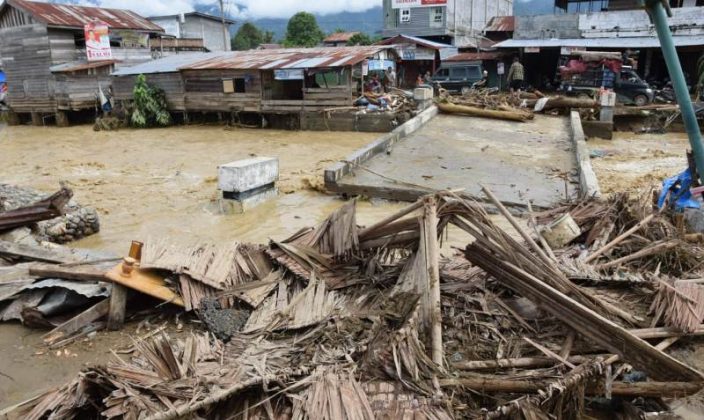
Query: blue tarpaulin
point(678, 188)
point(2, 76)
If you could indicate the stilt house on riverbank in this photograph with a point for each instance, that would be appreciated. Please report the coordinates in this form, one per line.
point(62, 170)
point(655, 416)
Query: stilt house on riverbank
point(44, 56)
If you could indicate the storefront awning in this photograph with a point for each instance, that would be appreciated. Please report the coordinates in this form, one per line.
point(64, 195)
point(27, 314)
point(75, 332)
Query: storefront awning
point(636, 42)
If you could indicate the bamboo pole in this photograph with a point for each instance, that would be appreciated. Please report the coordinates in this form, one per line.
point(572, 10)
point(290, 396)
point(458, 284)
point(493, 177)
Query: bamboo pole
point(641, 389)
point(649, 250)
point(619, 239)
point(432, 259)
point(385, 221)
point(542, 240)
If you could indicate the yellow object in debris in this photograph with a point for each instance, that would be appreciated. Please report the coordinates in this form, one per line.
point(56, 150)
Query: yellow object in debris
point(144, 281)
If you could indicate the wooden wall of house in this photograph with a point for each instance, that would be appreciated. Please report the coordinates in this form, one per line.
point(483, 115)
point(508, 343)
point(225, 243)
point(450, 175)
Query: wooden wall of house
point(76, 91)
point(26, 59)
point(204, 90)
point(63, 46)
point(170, 83)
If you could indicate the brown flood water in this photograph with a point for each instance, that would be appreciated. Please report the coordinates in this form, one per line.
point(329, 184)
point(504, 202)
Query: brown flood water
point(637, 161)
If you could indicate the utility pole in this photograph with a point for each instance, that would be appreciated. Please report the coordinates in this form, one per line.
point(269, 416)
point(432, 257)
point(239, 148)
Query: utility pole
point(225, 37)
point(659, 11)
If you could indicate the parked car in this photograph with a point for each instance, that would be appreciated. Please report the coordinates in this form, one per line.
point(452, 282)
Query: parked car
point(458, 77)
point(629, 87)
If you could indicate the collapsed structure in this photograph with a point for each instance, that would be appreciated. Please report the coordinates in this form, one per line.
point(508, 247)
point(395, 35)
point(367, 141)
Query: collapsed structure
point(342, 321)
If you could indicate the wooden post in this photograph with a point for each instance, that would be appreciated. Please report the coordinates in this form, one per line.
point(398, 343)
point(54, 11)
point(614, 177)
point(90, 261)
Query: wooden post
point(61, 119)
point(37, 119)
point(13, 118)
point(118, 306)
point(432, 257)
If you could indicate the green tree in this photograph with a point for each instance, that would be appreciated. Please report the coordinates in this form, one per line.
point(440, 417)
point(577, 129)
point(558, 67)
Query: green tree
point(303, 31)
point(150, 107)
point(359, 39)
point(248, 36)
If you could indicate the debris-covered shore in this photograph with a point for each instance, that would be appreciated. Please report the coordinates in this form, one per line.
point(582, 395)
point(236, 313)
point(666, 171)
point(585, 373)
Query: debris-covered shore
point(344, 321)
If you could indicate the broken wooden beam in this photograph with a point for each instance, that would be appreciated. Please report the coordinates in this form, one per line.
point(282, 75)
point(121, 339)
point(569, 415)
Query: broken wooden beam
point(44, 209)
point(36, 253)
point(76, 323)
point(143, 281)
point(73, 272)
point(118, 307)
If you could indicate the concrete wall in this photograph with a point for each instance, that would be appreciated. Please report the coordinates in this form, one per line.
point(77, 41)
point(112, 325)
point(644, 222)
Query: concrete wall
point(462, 18)
point(547, 27)
point(633, 23)
point(196, 27)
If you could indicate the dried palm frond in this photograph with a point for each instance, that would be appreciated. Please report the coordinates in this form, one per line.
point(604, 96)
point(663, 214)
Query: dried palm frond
point(332, 394)
point(681, 304)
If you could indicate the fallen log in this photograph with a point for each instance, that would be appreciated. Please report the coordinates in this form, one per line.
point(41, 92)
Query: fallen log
point(562, 102)
point(483, 113)
point(530, 386)
point(36, 253)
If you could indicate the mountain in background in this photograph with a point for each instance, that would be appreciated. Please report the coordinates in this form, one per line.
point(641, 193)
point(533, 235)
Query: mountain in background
point(369, 21)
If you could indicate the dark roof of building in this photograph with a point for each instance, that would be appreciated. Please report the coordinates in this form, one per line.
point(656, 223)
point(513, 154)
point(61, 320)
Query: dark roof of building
point(290, 58)
point(70, 16)
point(199, 14)
point(501, 24)
point(340, 37)
point(80, 65)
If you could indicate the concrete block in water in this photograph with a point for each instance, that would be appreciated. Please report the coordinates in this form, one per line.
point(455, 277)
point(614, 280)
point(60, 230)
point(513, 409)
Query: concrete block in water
point(242, 202)
point(247, 174)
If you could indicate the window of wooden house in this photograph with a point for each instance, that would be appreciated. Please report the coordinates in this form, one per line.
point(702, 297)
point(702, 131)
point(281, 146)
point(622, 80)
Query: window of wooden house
point(80, 40)
point(436, 16)
point(404, 15)
point(326, 78)
point(235, 85)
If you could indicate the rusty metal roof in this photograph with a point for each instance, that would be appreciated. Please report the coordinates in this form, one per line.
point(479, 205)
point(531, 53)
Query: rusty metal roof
point(70, 16)
point(501, 24)
point(476, 56)
point(292, 58)
point(340, 36)
point(80, 65)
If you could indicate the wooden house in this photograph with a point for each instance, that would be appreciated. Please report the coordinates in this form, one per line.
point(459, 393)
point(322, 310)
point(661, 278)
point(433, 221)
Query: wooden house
point(43, 50)
point(294, 83)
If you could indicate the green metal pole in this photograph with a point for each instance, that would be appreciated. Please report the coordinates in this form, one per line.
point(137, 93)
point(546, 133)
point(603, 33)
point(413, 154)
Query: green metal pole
point(659, 17)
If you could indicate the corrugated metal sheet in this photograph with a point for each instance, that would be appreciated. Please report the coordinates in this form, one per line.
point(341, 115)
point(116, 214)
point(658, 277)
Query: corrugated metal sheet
point(408, 39)
point(80, 65)
point(340, 37)
point(639, 42)
point(65, 15)
point(289, 58)
point(475, 56)
point(501, 24)
point(168, 64)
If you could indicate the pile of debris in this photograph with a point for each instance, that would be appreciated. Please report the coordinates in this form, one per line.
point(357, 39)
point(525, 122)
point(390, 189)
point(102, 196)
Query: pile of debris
point(341, 321)
point(511, 106)
point(54, 218)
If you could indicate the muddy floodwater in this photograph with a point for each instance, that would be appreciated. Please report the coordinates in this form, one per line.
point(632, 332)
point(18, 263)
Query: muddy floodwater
point(637, 161)
point(160, 182)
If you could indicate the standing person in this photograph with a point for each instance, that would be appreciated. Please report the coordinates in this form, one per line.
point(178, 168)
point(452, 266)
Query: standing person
point(516, 75)
point(390, 77)
point(428, 78)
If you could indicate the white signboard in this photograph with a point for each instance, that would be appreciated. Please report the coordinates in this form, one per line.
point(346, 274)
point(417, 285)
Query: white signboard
point(500, 68)
point(408, 4)
point(570, 50)
point(411, 53)
point(381, 64)
point(288, 74)
point(97, 41)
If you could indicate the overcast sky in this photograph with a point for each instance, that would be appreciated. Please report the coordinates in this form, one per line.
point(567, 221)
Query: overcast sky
point(243, 9)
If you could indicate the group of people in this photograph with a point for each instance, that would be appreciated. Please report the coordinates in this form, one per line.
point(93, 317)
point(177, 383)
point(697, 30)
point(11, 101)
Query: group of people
point(376, 85)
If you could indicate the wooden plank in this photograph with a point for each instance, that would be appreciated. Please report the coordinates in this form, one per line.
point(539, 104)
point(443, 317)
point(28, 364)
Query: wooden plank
point(76, 272)
point(145, 282)
point(79, 321)
point(36, 253)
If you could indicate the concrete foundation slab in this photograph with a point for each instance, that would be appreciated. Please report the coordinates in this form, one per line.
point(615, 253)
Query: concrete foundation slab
point(535, 160)
point(246, 174)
